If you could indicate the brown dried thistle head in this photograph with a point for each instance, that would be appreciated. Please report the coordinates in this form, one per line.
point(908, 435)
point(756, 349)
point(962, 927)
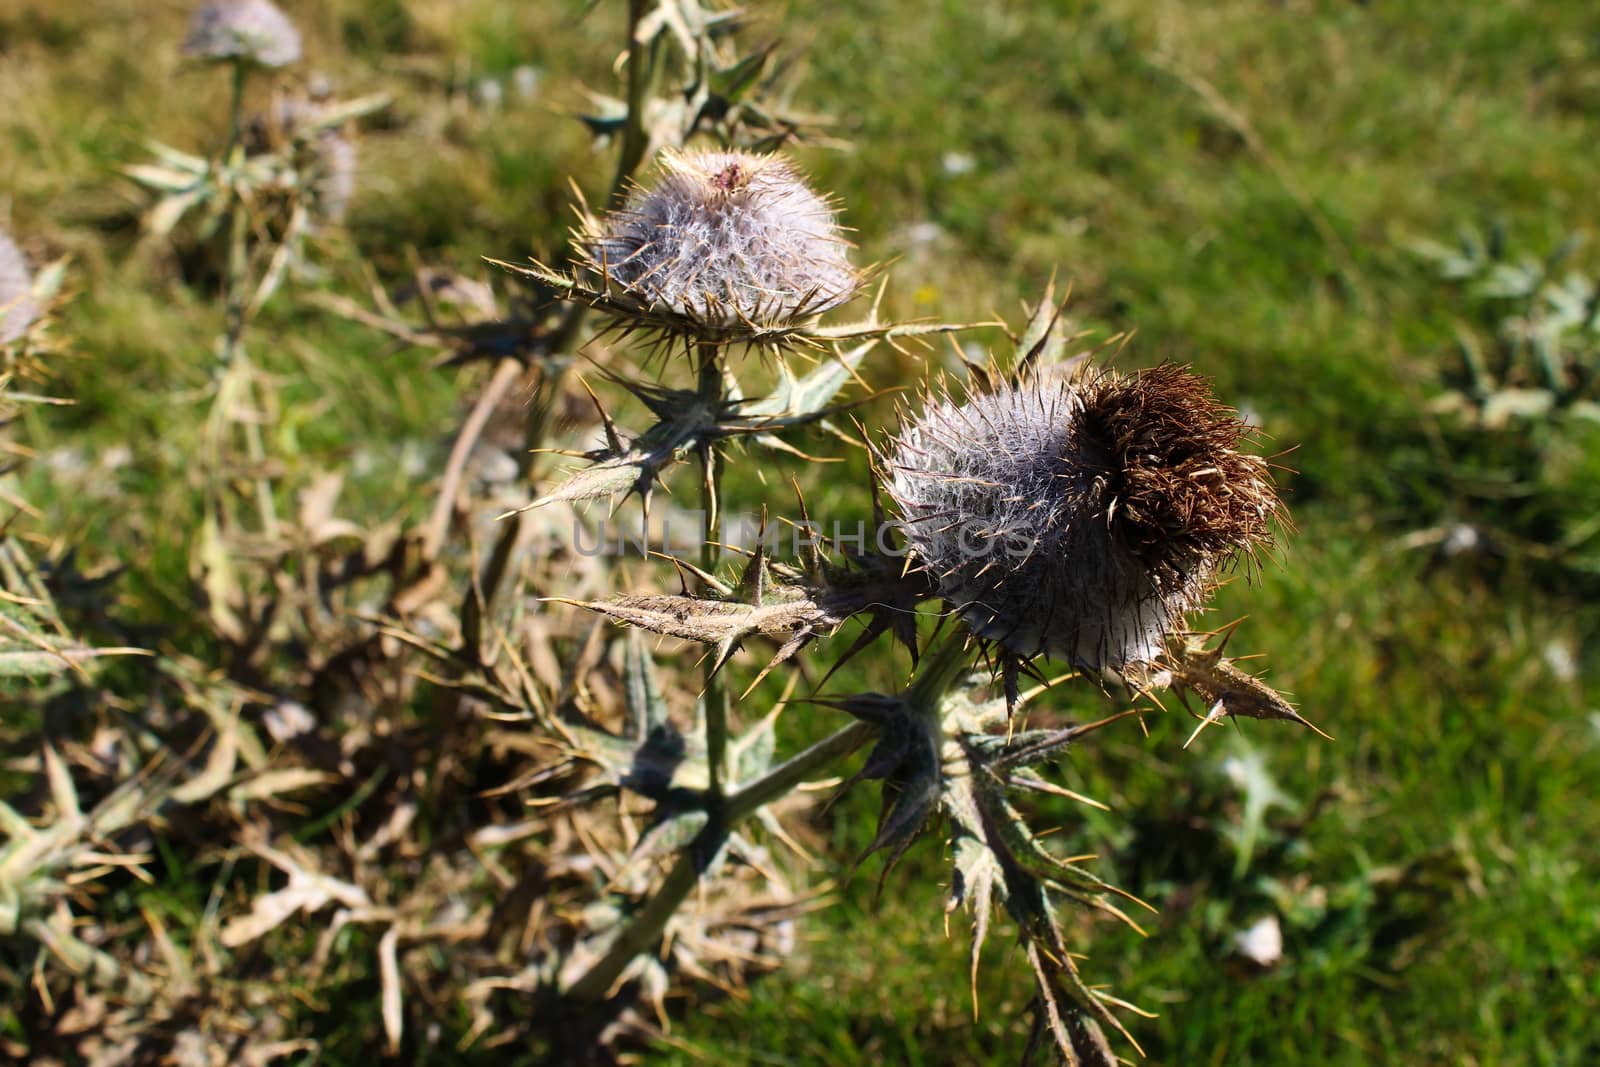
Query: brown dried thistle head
point(725, 243)
point(254, 31)
point(1081, 519)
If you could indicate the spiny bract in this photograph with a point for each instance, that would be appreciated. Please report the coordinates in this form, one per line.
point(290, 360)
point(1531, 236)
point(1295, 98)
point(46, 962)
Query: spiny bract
point(725, 240)
point(17, 306)
point(252, 30)
point(1080, 519)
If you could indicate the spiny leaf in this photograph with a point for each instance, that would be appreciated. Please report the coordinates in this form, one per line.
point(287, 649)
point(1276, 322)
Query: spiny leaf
point(1044, 338)
point(647, 705)
point(811, 394)
point(1190, 665)
point(751, 754)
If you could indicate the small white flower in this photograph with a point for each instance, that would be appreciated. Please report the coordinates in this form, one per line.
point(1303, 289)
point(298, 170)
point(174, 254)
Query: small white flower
point(1261, 942)
point(525, 80)
point(491, 94)
point(1562, 660)
point(958, 163)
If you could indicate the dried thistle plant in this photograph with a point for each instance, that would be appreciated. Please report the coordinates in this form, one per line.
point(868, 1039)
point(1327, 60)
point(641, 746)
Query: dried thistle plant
point(606, 820)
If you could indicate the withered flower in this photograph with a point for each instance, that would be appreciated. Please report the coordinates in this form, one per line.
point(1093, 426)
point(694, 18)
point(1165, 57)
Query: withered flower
point(1081, 519)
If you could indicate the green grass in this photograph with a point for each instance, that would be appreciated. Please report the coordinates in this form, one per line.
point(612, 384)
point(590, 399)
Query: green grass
point(1237, 183)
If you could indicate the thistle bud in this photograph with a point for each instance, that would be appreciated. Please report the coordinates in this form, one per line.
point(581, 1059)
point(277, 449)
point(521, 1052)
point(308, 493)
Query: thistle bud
point(255, 31)
point(17, 306)
point(1081, 520)
point(724, 243)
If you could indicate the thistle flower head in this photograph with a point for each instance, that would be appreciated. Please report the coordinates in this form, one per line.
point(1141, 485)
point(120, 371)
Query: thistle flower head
point(1080, 519)
point(252, 30)
point(724, 243)
point(18, 309)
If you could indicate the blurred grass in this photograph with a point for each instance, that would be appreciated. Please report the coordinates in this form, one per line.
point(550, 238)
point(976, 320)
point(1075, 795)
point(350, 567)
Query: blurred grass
point(1236, 181)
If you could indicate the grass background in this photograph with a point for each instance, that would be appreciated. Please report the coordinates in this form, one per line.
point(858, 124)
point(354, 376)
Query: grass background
point(1238, 182)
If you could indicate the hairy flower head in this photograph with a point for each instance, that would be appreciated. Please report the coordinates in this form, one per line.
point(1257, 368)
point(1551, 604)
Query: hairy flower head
point(252, 30)
point(17, 306)
point(1080, 519)
point(723, 243)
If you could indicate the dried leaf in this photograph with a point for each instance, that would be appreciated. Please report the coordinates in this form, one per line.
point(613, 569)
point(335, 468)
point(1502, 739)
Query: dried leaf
point(276, 783)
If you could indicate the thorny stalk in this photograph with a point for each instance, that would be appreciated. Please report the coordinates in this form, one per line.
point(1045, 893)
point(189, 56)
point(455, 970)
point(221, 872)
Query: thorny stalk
point(634, 138)
point(649, 923)
point(938, 672)
point(715, 696)
point(240, 71)
point(235, 363)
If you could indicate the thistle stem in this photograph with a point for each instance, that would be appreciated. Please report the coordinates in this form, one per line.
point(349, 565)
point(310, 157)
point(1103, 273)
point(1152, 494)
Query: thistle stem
point(647, 926)
point(234, 303)
point(715, 696)
point(787, 776)
point(634, 143)
point(634, 138)
point(235, 109)
point(643, 932)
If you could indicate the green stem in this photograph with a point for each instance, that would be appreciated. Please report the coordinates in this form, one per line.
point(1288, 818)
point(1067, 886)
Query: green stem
point(783, 779)
point(938, 671)
point(234, 360)
point(634, 139)
point(235, 109)
point(537, 423)
point(647, 926)
point(642, 933)
point(233, 284)
point(716, 697)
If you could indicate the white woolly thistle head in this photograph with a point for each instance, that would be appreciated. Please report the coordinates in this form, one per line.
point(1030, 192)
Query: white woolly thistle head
point(724, 244)
point(18, 309)
point(254, 31)
point(1080, 519)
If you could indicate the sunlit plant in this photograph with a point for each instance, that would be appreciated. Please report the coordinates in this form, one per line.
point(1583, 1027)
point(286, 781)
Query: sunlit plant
point(611, 815)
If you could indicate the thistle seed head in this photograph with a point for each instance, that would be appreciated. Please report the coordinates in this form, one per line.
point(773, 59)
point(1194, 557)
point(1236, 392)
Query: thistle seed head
point(1081, 519)
point(724, 241)
point(17, 306)
point(252, 30)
